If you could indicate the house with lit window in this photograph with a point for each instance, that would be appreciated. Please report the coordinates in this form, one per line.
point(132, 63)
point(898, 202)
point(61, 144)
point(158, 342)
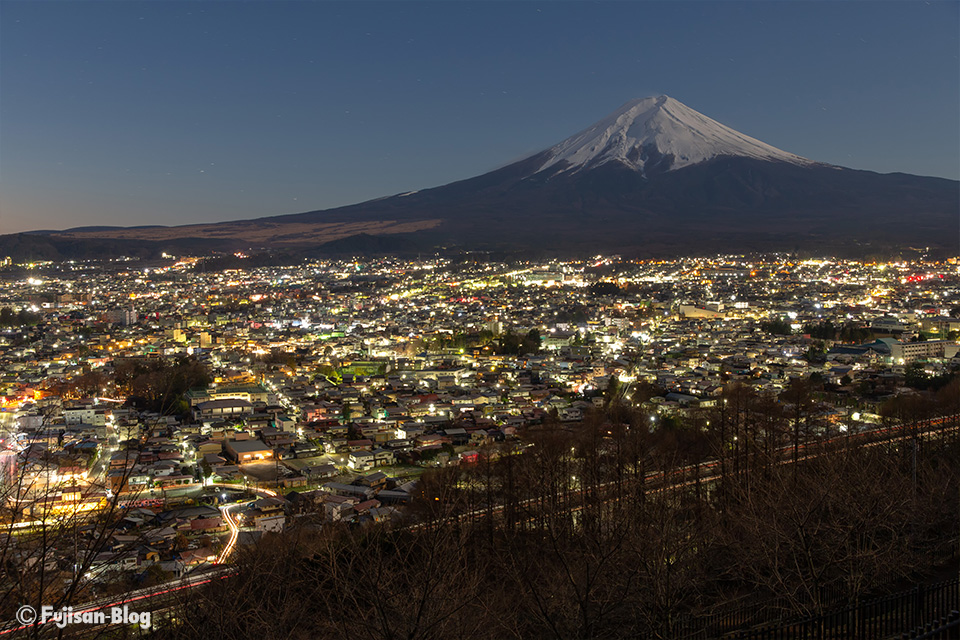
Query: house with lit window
point(241, 451)
point(226, 409)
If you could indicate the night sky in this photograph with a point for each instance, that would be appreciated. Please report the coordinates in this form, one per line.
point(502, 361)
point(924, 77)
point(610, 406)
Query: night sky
point(133, 113)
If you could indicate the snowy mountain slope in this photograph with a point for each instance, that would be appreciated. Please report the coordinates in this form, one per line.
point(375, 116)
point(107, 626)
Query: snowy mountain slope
point(658, 134)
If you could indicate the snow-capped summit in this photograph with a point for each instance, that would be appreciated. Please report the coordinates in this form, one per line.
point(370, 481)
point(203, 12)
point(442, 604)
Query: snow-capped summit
point(653, 135)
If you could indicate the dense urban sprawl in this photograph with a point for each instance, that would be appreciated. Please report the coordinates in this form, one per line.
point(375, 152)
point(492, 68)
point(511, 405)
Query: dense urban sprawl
point(199, 406)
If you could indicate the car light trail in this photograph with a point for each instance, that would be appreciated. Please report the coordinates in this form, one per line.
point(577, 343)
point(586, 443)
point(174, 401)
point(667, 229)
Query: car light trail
point(234, 534)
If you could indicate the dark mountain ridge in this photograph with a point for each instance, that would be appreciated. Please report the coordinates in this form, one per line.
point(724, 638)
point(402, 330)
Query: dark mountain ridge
point(653, 178)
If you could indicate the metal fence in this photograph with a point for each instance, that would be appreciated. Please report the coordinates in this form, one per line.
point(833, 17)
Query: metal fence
point(946, 628)
point(929, 612)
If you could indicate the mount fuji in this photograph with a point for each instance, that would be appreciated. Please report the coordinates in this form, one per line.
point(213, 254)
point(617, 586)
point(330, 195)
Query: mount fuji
point(653, 178)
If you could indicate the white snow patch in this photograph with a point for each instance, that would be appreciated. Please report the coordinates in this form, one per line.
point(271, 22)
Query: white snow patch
point(666, 126)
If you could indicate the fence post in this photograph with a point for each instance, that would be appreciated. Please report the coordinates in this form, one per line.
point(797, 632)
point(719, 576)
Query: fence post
point(861, 626)
point(918, 608)
point(902, 611)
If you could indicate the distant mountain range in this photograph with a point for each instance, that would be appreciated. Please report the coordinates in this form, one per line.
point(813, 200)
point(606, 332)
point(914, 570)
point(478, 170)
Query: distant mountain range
point(653, 178)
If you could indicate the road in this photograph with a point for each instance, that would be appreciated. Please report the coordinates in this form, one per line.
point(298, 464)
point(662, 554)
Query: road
point(8, 425)
point(234, 532)
point(262, 492)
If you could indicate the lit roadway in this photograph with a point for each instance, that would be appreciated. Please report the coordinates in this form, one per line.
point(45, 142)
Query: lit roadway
point(674, 479)
point(232, 522)
point(234, 533)
point(8, 422)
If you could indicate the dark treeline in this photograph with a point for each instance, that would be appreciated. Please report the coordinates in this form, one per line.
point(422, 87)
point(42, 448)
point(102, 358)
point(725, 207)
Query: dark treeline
point(256, 260)
point(620, 527)
point(11, 318)
point(777, 326)
point(916, 377)
point(159, 384)
point(848, 332)
point(509, 342)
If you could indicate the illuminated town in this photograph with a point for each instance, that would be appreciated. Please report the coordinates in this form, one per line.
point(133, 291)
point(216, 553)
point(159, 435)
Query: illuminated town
point(202, 410)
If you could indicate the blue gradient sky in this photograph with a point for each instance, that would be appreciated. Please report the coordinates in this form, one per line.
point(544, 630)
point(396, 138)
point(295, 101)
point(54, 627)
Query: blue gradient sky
point(131, 113)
